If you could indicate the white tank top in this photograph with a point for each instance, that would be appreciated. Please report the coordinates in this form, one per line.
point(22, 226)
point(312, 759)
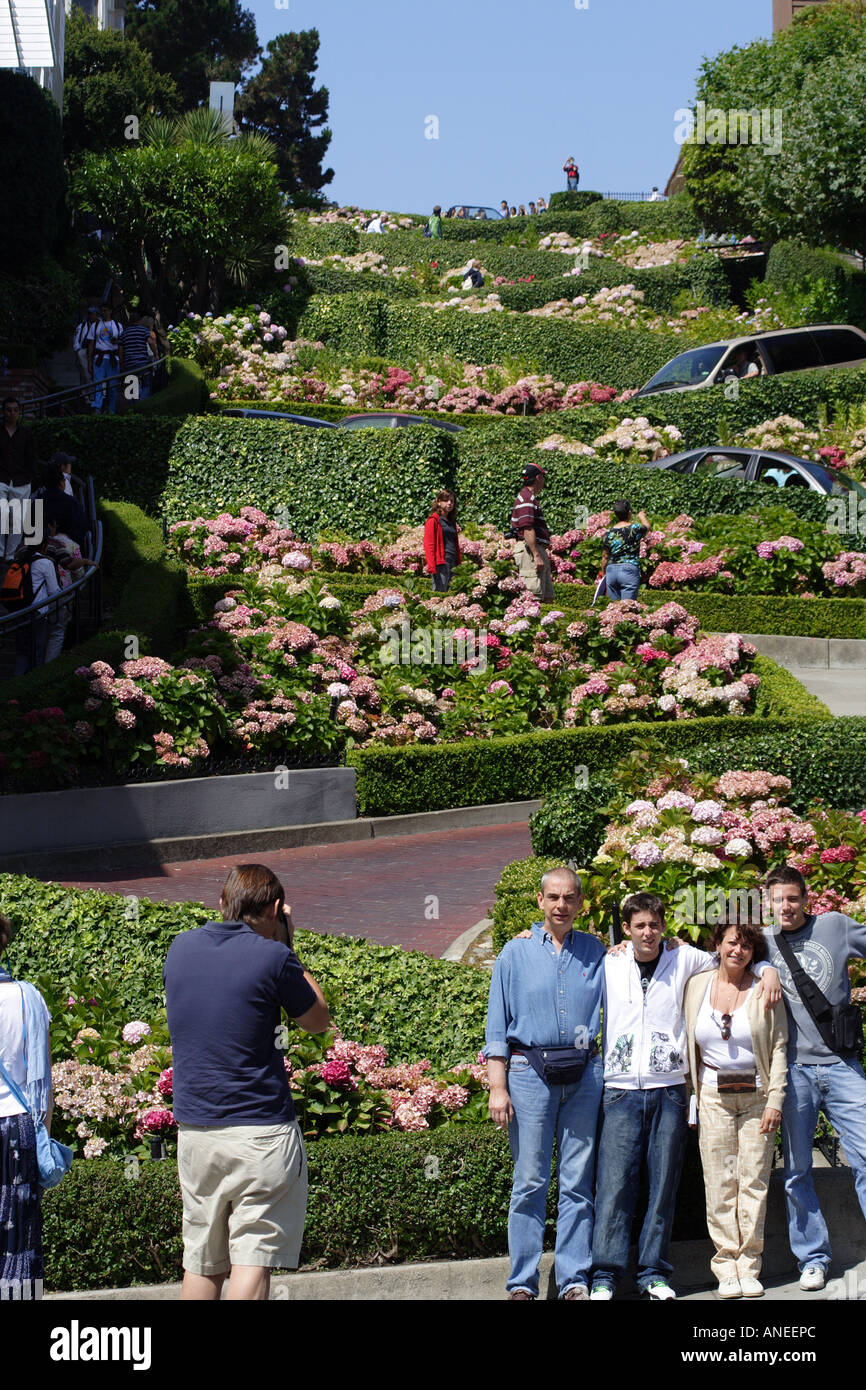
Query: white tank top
point(11, 1049)
point(736, 1052)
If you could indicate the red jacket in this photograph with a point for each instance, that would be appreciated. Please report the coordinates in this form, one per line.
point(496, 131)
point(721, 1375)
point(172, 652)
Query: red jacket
point(434, 544)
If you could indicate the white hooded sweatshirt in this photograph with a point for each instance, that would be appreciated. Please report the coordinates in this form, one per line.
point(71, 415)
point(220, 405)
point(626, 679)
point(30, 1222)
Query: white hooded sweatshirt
point(644, 1040)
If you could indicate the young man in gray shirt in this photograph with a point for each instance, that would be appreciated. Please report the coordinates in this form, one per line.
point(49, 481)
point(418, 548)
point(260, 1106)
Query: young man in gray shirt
point(819, 1077)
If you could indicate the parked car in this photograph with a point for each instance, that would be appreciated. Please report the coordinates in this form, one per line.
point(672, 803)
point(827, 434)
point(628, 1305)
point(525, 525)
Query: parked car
point(381, 419)
point(473, 212)
point(760, 466)
point(282, 415)
point(761, 354)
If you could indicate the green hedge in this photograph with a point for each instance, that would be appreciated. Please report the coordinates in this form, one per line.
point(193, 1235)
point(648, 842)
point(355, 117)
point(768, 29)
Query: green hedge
point(185, 393)
point(394, 781)
point(673, 218)
point(321, 476)
point(515, 906)
point(126, 455)
point(367, 1195)
point(369, 325)
point(572, 200)
point(826, 761)
point(413, 1005)
point(791, 266)
point(773, 614)
point(146, 592)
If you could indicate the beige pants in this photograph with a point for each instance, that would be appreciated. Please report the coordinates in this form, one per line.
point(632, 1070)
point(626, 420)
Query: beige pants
point(538, 583)
point(737, 1160)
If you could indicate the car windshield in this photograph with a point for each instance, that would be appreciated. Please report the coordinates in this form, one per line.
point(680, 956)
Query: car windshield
point(689, 369)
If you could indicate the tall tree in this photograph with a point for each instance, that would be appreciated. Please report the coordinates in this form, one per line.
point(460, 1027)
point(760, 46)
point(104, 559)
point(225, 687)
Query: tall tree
point(282, 102)
point(194, 212)
point(807, 79)
point(107, 78)
point(196, 41)
point(31, 171)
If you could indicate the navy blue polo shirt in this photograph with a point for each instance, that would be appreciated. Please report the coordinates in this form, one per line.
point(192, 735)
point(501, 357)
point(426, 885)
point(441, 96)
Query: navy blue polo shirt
point(224, 987)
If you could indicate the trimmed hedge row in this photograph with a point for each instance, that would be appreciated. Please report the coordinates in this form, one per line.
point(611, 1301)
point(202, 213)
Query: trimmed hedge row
point(394, 781)
point(147, 596)
point(791, 266)
point(572, 200)
point(126, 455)
point(673, 218)
point(773, 614)
point(414, 1005)
point(826, 761)
point(185, 393)
point(371, 325)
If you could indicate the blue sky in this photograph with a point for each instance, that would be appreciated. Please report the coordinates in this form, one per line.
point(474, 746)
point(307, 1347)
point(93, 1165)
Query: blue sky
point(516, 88)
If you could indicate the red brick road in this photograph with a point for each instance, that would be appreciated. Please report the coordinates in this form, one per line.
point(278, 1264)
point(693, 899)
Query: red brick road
point(379, 888)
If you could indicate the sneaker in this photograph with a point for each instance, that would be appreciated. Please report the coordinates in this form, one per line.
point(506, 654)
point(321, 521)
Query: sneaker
point(730, 1288)
point(521, 1296)
point(751, 1287)
point(577, 1293)
point(660, 1291)
point(601, 1293)
point(813, 1278)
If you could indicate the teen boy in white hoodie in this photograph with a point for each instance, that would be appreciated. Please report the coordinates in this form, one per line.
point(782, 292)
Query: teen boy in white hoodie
point(644, 1102)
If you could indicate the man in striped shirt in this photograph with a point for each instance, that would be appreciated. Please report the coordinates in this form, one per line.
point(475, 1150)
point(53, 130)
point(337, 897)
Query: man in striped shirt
point(134, 342)
point(533, 537)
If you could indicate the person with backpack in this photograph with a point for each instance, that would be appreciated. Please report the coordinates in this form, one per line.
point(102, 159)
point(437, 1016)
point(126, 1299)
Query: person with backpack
point(103, 357)
point(434, 223)
point(811, 951)
point(17, 472)
point(31, 576)
point(25, 1060)
point(70, 565)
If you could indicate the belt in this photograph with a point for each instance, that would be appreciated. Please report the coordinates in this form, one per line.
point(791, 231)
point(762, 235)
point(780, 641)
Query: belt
point(519, 1052)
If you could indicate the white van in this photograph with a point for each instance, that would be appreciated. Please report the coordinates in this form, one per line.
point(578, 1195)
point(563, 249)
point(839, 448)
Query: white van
point(761, 354)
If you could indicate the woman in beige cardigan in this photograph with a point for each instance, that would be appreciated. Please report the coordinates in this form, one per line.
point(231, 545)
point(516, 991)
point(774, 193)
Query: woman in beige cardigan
point(738, 1065)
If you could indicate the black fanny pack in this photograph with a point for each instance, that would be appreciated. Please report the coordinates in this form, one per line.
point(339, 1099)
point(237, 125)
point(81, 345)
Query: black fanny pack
point(558, 1066)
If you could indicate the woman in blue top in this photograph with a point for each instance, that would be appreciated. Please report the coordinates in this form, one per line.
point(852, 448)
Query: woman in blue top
point(29, 1066)
point(621, 545)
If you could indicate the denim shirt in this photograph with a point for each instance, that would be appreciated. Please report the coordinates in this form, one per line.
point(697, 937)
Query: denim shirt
point(539, 998)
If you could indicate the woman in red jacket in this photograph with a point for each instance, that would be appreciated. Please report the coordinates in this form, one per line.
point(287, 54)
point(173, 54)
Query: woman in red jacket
point(441, 546)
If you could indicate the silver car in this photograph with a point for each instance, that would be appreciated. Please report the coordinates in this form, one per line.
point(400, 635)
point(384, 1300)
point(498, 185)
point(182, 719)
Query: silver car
point(761, 354)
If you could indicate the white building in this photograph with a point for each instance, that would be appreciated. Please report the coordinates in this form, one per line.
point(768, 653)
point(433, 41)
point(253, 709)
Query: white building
point(32, 35)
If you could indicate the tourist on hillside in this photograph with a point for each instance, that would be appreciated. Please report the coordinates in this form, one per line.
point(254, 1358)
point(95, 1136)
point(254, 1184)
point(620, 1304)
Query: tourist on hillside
point(84, 331)
point(25, 1056)
point(621, 552)
point(31, 636)
point(441, 544)
point(541, 204)
point(532, 534)
point(811, 952)
point(531, 209)
point(137, 350)
point(738, 1067)
point(572, 173)
point(240, 1152)
point(59, 506)
point(434, 223)
point(378, 224)
point(521, 211)
point(513, 212)
point(545, 1083)
point(503, 209)
point(70, 565)
point(103, 357)
point(17, 472)
point(473, 278)
point(655, 196)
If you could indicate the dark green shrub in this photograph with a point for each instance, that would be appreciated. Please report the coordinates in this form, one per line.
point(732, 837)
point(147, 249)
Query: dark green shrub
point(31, 163)
point(38, 310)
point(323, 239)
point(572, 201)
point(792, 266)
point(185, 393)
point(570, 824)
point(126, 455)
point(515, 907)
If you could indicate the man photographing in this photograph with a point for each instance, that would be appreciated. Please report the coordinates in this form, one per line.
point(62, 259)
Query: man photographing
point(532, 552)
point(240, 1153)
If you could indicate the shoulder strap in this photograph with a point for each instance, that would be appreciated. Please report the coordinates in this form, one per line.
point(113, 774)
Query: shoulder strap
point(815, 1001)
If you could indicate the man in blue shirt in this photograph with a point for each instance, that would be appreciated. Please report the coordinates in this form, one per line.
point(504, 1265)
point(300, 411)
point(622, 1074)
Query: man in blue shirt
point(240, 1152)
point(546, 993)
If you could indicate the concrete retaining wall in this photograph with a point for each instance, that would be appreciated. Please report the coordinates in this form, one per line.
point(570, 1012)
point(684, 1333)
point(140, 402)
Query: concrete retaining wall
point(834, 652)
point(96, 816)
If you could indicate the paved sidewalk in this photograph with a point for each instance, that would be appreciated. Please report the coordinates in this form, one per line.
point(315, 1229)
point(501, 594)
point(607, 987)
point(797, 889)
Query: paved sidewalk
point(843, 690)
point(386, 890)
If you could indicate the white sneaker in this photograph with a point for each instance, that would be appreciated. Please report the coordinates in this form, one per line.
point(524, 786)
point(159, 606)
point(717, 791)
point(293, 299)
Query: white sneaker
point(660, 1291)
point(751, 1288)
point(601, 1293)
point(730, 1288)
point(812, 1278)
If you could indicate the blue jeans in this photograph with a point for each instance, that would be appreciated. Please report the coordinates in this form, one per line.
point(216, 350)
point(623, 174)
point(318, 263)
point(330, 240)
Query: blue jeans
point(101, 370)
point(638, 1125)
point(542, 1113)
point(839, 1089)
point(623, 581)
point(572, 182)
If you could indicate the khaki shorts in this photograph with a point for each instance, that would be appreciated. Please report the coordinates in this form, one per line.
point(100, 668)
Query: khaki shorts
point(538, 583)
point(244, 1195)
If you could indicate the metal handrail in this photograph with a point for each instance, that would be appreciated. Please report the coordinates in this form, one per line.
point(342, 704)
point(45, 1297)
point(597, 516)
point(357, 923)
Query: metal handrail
point(43, 607)
point(39, 406)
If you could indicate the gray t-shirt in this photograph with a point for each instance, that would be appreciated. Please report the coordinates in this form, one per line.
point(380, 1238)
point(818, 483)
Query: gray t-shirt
point(824, 945)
